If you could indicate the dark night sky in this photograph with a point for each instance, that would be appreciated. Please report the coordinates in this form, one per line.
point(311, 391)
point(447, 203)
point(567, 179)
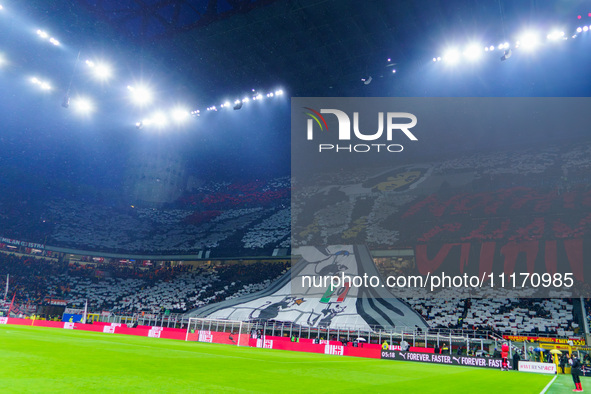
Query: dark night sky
point(40, 142)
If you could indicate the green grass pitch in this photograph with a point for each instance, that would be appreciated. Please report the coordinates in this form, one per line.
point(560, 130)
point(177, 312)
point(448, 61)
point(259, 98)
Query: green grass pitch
point(34, 359)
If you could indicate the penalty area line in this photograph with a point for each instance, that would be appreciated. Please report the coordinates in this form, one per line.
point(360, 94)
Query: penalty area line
point(548, 385)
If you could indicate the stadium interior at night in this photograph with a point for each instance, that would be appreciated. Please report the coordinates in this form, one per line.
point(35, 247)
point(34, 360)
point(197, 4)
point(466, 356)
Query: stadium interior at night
point(149, 210)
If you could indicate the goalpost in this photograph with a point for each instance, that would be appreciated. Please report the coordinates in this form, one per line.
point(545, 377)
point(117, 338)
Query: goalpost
point(230, 332)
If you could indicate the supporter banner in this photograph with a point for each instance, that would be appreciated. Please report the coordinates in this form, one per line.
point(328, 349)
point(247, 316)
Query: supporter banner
point(564, 341)
point(334, 350)
point(3, 320)
point(483, 362)
point(74, 311)
point(110, 329)
point(21, 243)
point(530, 366)
point(205, 336)
point(53, 301)
point(155, 332)
point(69, 325)
point(264, 343)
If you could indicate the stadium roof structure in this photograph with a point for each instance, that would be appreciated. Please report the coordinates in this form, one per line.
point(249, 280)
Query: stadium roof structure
point(313, 47)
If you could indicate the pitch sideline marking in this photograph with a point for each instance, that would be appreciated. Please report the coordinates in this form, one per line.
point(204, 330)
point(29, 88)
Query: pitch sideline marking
point(548, 385)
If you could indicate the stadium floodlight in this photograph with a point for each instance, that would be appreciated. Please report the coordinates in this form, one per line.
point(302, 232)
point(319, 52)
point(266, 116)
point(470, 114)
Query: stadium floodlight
point(585, 28)
point(245, 100)
point(579, 29)
point(555, 35)
point(139, 125)
point(140, 95)
point(44, 35)
point(179, 115)
point(42, 84)
point(226, 104)
point(101, 71)
point(452, 56)
point(83, 105)
point(1, 8)
point(529, 41)
point(159, 119)
point(473, 52)
point(279, 92)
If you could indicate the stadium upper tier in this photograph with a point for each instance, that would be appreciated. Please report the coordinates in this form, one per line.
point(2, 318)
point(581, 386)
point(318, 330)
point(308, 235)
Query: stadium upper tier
point(520, 195)
point(512, 196)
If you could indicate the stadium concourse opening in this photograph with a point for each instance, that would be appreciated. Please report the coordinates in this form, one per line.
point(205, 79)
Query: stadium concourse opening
point(378, 197)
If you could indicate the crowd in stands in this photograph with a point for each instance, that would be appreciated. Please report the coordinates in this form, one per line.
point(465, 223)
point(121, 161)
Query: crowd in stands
point(508, 316)
point(127, 289)
point(238, 217)
point(131, 287)
point(151, 230)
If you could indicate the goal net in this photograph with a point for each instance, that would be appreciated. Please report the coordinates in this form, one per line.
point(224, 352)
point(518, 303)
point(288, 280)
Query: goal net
point(230, 332)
